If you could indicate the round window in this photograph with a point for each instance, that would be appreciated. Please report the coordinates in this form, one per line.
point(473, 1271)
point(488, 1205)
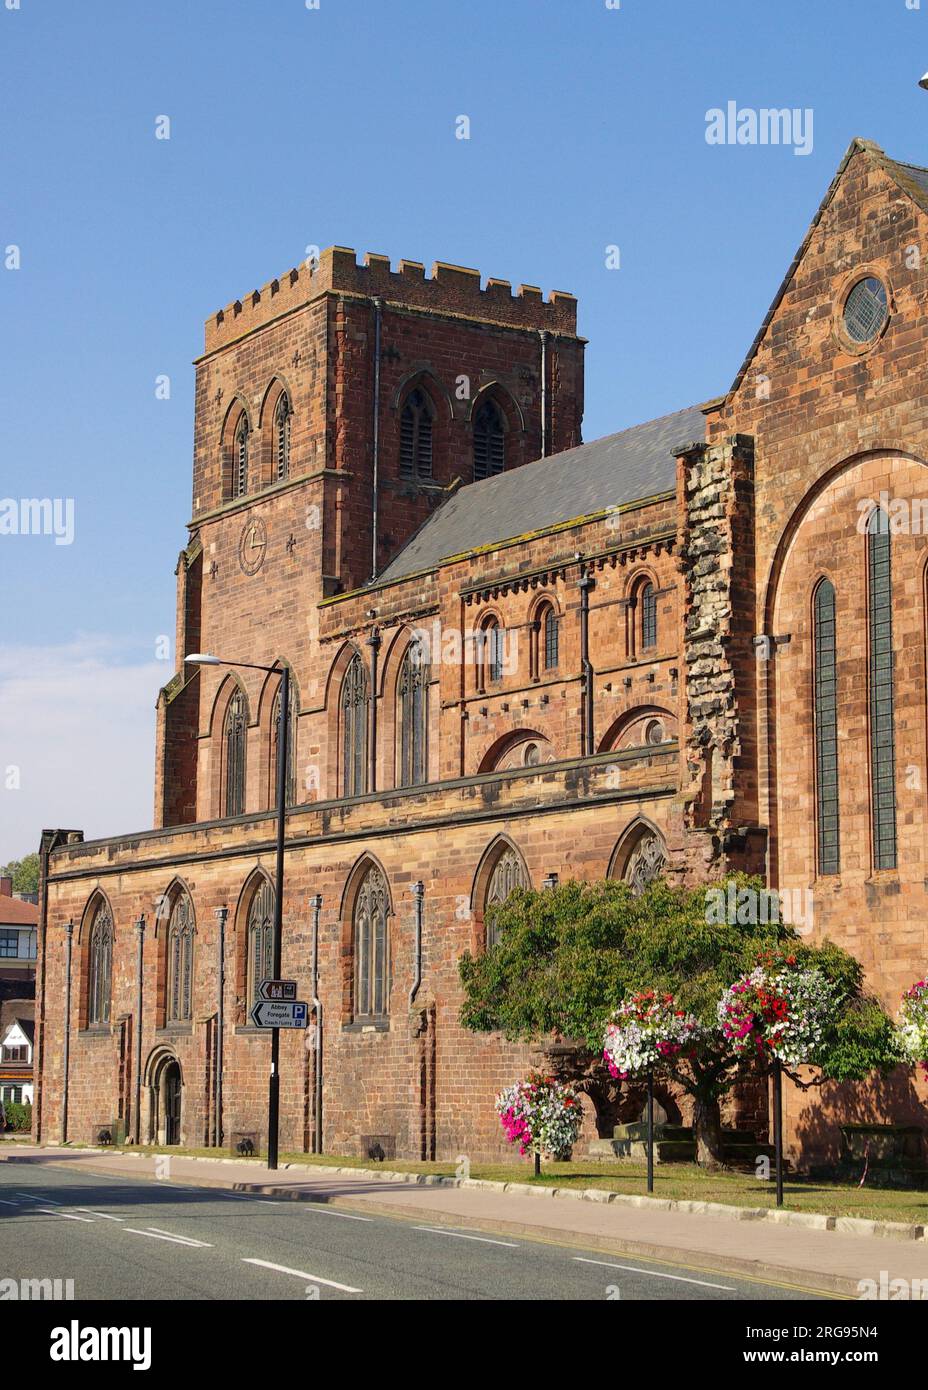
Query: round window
point(865, 310)
point(532, 756)
point(654, 732)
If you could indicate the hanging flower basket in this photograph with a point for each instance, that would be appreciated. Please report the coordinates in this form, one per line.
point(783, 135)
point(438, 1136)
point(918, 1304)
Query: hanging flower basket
point(912, 1030)
point(646, 1031)
point(778, 1012)
point(541, 1115)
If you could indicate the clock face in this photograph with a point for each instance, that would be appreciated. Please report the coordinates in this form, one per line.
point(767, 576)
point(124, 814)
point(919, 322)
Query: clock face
point(252, 547)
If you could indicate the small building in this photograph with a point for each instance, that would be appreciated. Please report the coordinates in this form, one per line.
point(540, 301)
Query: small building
point(19, 919)
point(17, 1040)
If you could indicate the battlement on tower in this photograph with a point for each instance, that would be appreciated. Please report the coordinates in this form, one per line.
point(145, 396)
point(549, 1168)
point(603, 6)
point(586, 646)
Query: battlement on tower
point(450, 289)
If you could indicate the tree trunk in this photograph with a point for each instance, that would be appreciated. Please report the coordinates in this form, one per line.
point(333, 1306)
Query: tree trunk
point(707, 1126)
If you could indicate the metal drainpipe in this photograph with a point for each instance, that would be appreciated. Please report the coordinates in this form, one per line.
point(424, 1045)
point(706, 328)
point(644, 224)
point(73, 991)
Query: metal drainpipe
point(66, 1051)
point(418, 892)
point(374, 643)
point(140, 961)
point(316, 905)
point(544, 394)
point(222, 914)
point(378, 330)
point(586, 584)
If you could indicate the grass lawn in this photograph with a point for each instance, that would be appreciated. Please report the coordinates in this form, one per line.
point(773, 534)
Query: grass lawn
point(681, 1181)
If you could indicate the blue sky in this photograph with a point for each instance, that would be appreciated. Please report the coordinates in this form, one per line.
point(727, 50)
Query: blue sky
point(293, 126)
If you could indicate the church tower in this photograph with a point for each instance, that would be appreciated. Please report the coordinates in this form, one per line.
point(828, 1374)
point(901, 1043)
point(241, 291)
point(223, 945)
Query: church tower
point(336, 408)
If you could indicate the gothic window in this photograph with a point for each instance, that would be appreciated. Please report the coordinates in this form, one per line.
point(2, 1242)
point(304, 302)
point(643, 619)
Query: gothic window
point(882, 734)
point(282, 437)
point(234, 756)
point(490, 653)
point(240, 461)
point(489, 441)
point(648, 601)
point(260, 938)
point(416, 436)
point(354, 717)
point(508, 874)
point(413, 717)
point(826, 730)
point(100, 974)
point(551, 630)
point(645, 863)
point(291, 749)
point(180, 962)
point(371, 947)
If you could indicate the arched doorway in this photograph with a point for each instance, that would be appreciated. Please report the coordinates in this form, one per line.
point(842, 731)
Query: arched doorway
point(165, 1098)
point(170, 1089)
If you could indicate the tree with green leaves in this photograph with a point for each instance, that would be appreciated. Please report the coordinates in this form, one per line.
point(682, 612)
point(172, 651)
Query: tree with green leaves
point(24, 873)
point(566, 958)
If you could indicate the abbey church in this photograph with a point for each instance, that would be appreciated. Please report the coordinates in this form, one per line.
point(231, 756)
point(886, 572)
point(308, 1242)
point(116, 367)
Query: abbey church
point(688, 649)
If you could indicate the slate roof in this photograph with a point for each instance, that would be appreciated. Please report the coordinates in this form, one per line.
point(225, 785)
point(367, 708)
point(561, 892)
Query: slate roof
point(620, 468)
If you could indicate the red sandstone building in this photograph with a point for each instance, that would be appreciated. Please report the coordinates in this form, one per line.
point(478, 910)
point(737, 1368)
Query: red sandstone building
point(688, 648)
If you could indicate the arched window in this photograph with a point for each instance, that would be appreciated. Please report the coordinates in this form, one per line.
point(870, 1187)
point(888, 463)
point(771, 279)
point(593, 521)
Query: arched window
point(260, 937)
point(354, 718)
point(551, 634)
point(648, 599)
point(179, 1003)
point(240, 461)
point(100, 972)
point(489, 441)
point(413, 697)
point(371, 947)
point(234, 731)
point(882, 730)
point(490, 651)
point(508, 874)
point(826, 730)
point(416, 436)
point(282, 437)
point(291, 748)
point(640, 858)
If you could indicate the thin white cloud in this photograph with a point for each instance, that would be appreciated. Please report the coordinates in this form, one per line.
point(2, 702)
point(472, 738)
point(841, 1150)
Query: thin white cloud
point(77, 725)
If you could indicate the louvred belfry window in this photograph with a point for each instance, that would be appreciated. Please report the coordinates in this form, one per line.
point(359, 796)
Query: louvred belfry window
point(291, 750)
point(354, 719)
point(648, 616)
point(826, 730)
point(416, 436)
point(489, 441)
point(282, 437)
point(882, 695)
point(241, 458)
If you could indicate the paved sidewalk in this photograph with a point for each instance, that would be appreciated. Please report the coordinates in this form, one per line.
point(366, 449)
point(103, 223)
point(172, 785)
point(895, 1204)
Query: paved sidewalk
point(827, 1261)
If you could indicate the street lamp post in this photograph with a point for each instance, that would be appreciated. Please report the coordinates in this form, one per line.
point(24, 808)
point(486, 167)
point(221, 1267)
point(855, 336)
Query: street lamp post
point(283, 743)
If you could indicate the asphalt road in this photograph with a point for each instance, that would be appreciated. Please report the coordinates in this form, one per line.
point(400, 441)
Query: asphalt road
point(132, 1238)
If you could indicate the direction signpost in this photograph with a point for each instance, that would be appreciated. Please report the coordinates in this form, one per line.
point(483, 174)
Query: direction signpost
point(277, 989)
point(280, 1013)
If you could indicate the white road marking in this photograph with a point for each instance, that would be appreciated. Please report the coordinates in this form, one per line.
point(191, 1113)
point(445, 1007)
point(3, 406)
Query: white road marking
point(462, 1235)
point(655, 1274)
point(301, 1274)
point(5, 1203)
point(65, 1215)
point(31, 1197)
point(155, 1233)
point(104, 1216)
point(326, 1211)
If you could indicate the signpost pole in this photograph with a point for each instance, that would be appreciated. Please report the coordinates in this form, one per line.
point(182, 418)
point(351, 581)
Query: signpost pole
point(283, 741)
point(650, 1130)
